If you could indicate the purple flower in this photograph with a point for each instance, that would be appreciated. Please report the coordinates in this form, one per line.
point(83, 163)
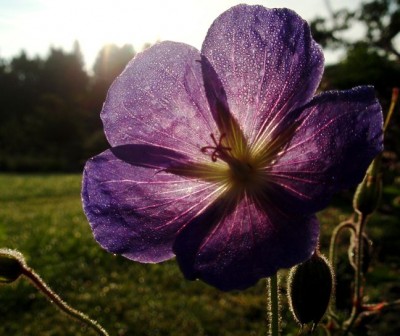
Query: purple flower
point(222, 157)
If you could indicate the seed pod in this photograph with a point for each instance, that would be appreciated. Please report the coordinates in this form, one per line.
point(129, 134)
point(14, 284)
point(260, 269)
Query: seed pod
point(310, 287)
point(11, 265)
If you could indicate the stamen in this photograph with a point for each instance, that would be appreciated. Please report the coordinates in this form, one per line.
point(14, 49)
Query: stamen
point(218, 149)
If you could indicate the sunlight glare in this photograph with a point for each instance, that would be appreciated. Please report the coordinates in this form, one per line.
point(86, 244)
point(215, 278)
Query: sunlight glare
point(95, 23)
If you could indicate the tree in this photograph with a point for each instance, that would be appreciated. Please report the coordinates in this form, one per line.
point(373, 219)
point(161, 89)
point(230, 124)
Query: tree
point(110, 61)
point(380, 18)
point(41, 112)
point(64, 75)
point(373, 59)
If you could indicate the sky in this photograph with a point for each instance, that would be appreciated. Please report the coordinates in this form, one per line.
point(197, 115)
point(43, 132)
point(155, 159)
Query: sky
point(35, 25)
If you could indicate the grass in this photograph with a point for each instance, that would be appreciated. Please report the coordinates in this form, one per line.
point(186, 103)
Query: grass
point(41, 216)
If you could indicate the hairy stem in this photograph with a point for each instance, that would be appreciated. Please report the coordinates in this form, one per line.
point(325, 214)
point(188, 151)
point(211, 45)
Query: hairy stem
point(358, 274)
point(395, 96)
point(273, 306)
point(332, 251)
point(55, 299)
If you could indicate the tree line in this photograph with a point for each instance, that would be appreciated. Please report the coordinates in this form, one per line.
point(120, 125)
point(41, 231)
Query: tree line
point(49, 107)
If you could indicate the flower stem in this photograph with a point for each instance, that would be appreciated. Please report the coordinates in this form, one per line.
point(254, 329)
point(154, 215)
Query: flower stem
point(55, 299)
point(358, 274)
point(332, 253)
point(395, 96)
point(335, 235)
point(273, 306)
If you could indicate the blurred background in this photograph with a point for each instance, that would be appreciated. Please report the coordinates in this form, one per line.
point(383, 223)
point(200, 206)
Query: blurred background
point(57, 60)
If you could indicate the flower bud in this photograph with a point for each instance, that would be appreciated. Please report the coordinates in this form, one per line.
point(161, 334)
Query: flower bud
point(369, 191)
point(310, 287)
point(11, 265)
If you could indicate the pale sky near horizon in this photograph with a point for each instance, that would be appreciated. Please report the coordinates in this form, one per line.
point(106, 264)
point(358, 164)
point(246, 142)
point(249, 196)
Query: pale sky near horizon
point(35, 25)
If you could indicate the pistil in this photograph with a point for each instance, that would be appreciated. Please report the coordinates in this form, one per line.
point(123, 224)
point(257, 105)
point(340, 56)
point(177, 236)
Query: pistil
point(219, 151)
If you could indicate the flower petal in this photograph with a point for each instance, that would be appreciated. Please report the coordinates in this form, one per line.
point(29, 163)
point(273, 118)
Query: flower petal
point(233, 246)
point(159, 99)
point(267, 63)
point(340, 134)
point(137, 208)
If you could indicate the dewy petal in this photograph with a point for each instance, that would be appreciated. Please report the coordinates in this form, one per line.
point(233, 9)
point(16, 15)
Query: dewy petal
point(267, 64)
point(159, 99)
point(340, 134)
point(136, 208)
point(232, 246)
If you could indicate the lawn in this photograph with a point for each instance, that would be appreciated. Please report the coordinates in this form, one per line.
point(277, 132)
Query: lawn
point(41, 216)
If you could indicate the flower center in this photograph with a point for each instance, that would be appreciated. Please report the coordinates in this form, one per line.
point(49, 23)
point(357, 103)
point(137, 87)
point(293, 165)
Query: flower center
point(242, 172)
